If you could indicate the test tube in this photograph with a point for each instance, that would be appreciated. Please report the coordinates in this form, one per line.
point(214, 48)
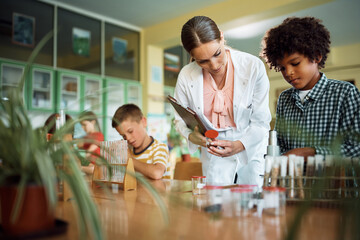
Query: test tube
point(291, 175)
point(283, 169)
point(299, 164)
point(268, 163)
point(275, 171)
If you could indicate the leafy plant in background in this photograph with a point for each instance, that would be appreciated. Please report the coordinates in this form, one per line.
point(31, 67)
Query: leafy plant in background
point(177, 141)
point(28, 158)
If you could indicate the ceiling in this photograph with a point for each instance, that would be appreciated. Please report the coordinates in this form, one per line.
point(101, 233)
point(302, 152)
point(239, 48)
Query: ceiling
point(341, 17)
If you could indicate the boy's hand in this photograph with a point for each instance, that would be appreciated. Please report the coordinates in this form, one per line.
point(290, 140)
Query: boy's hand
point(305, 152)
point(197, 138)
point(229, 148)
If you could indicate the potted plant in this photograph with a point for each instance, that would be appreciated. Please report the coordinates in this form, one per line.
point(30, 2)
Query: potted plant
point(31, 168)
point(178, 144)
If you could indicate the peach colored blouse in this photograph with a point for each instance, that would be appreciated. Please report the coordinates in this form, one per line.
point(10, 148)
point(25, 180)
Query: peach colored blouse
point(218, 103)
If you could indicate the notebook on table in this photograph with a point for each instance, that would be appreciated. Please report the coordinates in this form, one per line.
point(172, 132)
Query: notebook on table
point(188, 115)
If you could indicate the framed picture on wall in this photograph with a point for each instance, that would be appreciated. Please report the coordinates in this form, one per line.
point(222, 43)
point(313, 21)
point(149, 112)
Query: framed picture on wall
point(23, 30)
point(81, 42)
point(171, 62)
point(119, 47)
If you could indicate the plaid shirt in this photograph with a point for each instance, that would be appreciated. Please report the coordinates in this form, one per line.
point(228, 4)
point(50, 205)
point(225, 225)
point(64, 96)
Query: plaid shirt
point(328, 120)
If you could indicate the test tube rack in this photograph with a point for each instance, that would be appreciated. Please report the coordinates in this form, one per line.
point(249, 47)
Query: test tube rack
point(325, 180)
point(122, 167)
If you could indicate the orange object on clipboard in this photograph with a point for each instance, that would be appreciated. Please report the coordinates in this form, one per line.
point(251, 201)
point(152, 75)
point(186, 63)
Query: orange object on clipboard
point(188, 115)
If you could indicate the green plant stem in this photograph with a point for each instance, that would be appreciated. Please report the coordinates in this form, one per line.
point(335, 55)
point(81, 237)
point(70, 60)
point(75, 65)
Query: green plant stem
point(32, 57)
point(156, 196)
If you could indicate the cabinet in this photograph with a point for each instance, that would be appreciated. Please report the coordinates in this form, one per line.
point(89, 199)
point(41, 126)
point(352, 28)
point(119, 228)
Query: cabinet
point(47, 90)
point(93, 94)
point(114, 93)
point(133, 93)
point(11, 74)
point(42, 85)
point(69, 92)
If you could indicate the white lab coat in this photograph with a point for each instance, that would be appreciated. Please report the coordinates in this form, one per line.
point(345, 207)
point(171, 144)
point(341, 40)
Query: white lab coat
point(251, 116)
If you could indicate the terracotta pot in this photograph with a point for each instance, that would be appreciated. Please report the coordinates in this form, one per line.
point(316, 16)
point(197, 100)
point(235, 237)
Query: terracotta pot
point(34, 216)
point(186, 157)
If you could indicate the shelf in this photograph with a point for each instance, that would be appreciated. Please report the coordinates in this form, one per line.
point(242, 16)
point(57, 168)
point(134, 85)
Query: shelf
point(68, 93)
point(92, 97)
point(10, 84)
point(45, 90)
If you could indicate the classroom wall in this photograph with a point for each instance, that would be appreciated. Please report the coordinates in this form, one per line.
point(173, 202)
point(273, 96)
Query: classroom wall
point(227, 14)
point(342, 64)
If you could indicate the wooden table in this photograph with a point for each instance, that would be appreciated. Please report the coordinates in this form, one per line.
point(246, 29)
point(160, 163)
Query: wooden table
point(135, 215)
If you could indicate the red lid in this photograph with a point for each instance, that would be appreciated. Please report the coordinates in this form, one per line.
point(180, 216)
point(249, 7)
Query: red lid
point(212, 187)
point(241, 190)
point(274, 189)
point(211, 134)
point(198, 177)
point(247, 185)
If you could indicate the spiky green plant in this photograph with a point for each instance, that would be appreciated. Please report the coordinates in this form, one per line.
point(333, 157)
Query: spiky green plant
point(27, 157)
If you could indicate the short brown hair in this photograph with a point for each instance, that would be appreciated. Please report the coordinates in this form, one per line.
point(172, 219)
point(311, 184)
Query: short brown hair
point(125, 112)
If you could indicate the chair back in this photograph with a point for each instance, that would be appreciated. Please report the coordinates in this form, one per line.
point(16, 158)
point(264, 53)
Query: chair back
point(185, 170)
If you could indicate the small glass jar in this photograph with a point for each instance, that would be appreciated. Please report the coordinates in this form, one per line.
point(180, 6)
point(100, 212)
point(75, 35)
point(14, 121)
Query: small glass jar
point(254, 194)
point(214, 194)
point(241, 200)
point(274, 200)
point(199, 202)
point(198, 184)
point(254, 188)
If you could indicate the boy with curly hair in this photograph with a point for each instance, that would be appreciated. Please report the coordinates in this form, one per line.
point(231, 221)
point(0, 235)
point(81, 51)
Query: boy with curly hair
point(317, 113)
point(151, 158)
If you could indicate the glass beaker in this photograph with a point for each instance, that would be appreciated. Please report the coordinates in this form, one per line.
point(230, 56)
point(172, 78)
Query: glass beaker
point(198, 184)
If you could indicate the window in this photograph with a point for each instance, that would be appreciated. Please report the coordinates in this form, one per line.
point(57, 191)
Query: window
point(121, 52)
point(79, 42)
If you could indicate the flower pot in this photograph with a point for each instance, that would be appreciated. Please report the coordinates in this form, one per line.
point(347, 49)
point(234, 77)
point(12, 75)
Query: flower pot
point(34, 215)
point(186, 157)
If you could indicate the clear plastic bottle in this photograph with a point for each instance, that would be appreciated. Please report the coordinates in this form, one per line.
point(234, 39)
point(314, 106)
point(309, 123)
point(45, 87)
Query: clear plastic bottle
point(274, 200)
point(198, 184)
point(241, 198)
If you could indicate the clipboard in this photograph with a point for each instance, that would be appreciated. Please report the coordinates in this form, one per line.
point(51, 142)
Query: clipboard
point(188, 115)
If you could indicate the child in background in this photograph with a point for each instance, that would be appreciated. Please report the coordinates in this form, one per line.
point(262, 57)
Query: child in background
point(50, 125)
point(92, 139)
point(151, 158)
point(316, 111)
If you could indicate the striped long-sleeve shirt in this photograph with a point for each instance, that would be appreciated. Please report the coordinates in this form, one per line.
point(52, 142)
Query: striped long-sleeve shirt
point(156, 152)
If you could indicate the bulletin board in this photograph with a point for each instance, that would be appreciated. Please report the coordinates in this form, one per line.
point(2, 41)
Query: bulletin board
point(158, 127)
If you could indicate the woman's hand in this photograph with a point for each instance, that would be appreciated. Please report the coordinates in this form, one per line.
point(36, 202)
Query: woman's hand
point(197, 138)
point(229, 148)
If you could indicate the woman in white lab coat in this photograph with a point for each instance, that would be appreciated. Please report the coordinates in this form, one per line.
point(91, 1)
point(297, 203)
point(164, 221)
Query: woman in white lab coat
point(229, 90)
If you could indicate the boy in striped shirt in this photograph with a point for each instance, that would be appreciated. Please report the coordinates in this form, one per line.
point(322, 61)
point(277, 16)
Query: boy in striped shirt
point(151, 158)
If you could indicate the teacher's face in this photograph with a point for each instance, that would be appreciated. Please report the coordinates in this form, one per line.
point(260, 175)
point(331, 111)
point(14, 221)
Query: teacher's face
point(211, 56)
